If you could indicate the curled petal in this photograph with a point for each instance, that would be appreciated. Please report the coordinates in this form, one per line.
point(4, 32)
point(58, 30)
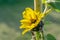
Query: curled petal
point(24, 26)
point(26, 30)
point(25, 21)
point(26, 16)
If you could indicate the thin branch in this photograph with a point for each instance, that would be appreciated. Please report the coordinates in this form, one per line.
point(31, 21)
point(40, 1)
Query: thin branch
point(38, 5)
point(47, 11)
point(45, 7)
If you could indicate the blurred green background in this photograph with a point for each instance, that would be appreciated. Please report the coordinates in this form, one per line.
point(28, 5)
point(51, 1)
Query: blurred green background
point(11, 14)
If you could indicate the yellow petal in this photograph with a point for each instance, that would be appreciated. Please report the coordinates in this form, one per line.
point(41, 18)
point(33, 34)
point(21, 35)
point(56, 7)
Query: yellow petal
point(31, 13)
point(25, 21)
point(29, 9)
point(33, 16)
point(26, 30)
point(41, 15)
point(22, 26)
point(25, 26)
point(25, 15)
point(37, 14)
point(32, 26)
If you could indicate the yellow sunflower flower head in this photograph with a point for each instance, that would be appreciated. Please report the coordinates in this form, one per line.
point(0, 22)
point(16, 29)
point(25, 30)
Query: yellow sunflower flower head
point(30, 19)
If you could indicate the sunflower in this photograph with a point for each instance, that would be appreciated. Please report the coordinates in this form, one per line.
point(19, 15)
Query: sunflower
point(30, 20)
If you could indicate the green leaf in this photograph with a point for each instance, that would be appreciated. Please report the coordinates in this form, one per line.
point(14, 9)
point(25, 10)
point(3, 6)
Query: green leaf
point(37, 35)
point(50, 37)
point(55, 4)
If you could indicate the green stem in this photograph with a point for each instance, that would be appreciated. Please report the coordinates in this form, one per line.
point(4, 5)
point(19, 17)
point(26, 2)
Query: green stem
point(42, 35)
point(38, 5)
point(37, 35)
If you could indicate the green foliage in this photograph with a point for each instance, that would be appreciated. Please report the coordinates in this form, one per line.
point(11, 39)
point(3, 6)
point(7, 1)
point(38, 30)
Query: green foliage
point(37, 35)
point(50, 37)
point(55, 5)
point(47, 22)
